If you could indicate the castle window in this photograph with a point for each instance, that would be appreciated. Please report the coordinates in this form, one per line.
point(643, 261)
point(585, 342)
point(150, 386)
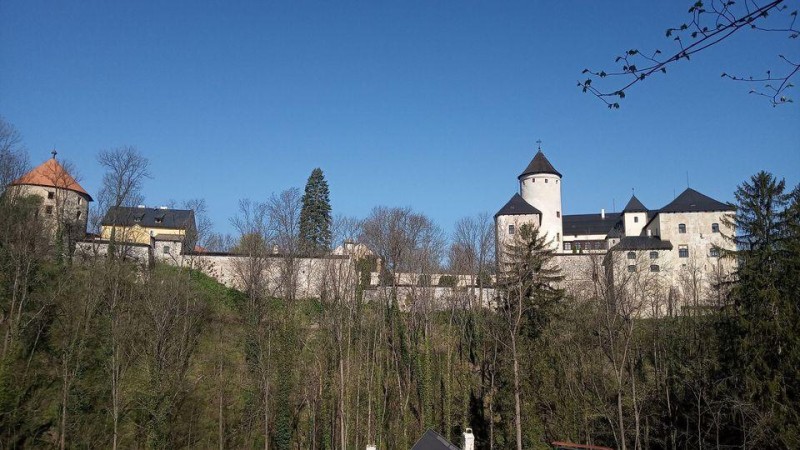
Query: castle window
point(546, 180)
point(683, 251)
point(511, 229)
point(159, 219)
point(631, 268)
point(714, 252)
point(567, 245)
point(635, 219)
point(558, 237)
point(48, 209)
point(78, 215)
point(655, 268)
point(715, 228)
point(653, 255)
point(51, 195)
point(577, 246)
point(80, 200)
point(682, 228)
point(166, 249)
point(631, 255)
point(558, 213)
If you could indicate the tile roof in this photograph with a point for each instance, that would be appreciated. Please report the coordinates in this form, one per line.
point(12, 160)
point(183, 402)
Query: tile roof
point(581, 224)
point(149, 217)
point(432, 440)
point(693, 201)
point(51, 174)
point(634, 205)
point(539, 164)
point(642, 243)
point(516, 206)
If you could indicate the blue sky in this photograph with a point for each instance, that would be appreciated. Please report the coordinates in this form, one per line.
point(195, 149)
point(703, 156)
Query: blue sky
point(433, 105)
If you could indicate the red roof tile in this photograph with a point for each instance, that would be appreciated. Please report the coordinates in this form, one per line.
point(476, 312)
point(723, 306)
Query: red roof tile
point(51, 174)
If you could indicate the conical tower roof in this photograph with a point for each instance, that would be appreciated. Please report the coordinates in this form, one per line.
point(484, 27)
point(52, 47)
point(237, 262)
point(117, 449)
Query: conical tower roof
point(51, 174)
point(539, 164)
point(634, 205)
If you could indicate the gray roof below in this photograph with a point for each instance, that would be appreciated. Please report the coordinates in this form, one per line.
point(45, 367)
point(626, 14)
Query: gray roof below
point(693, 201)
point(432, 440)
point(583, 224)
point(539, 164)
point(126, 216)
point(642, 243)
point(517, 206)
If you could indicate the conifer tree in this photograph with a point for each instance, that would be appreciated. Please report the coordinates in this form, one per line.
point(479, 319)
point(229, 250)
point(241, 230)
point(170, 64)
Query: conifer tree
point(315, 215)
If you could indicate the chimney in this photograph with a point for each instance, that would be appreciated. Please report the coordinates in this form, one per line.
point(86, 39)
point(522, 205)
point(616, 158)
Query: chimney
point(603, 213)
point(371, 447)
point(469, 440)
point(649, 233)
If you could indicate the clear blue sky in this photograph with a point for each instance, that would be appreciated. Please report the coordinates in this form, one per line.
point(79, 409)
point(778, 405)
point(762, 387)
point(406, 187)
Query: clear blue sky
point(434, 105)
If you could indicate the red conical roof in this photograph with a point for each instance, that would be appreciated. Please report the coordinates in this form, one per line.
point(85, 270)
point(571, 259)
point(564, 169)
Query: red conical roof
point(51, 174)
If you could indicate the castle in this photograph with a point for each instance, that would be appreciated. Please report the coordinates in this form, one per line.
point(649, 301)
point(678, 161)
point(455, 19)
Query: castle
point(679, 241)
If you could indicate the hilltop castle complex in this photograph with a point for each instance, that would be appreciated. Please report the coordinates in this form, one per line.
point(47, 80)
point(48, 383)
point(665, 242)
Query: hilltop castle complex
point(670, 246)
point(670, 254)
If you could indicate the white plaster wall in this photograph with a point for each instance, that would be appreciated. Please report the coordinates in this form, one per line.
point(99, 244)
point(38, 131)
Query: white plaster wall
point(634, 223)
point(502, 237)
point(543, 191)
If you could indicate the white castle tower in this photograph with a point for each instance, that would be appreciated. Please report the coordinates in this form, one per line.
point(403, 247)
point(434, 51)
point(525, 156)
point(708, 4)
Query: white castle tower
point(538, 204)
point(540, 186)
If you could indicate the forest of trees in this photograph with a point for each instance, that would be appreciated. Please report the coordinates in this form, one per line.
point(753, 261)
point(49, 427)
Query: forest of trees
point(109, 355)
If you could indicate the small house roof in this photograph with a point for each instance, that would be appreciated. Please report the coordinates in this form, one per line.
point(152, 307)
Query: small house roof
point(126, 216)
point(634, 205)
point(693, 201)
point(432, 440)
point(51, 174)
point(539, 164)
point(517, 206)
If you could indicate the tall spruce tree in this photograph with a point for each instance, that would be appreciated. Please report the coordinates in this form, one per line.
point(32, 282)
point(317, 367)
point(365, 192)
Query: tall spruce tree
point(315, 215)
point(763, 345)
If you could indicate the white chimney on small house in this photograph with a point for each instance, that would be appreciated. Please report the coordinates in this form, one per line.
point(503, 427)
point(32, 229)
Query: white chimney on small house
point(649, 232)
point(603, 213)
point(469, 440)
point(371, 447)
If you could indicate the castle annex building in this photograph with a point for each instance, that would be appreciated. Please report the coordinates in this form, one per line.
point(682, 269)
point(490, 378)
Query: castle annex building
point(688, 234)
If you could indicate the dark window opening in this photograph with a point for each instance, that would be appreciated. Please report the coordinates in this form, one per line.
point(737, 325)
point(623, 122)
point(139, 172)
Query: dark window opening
point(714, 253)
point(631, 255)
point(78, 215)
point(48, 209)
point(511, 229)
point(166, 249)
point(51, 195)
point(682, 228)
point(653, 255)
point(655, 268)
point(683, 251)
point(715, 228)
point(631, 268)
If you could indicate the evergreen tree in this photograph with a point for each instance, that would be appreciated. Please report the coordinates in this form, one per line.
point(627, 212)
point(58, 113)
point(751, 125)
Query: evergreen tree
point(315, 215)
point(761, 328)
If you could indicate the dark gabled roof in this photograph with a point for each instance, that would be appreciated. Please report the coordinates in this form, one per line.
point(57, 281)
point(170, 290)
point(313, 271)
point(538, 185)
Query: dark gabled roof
point(634, 205)
point(432, 440)
point(539, 164)
point(693, 201)
point(516, 206)
point(642, 243)
point(126, 216)
point(580, 224)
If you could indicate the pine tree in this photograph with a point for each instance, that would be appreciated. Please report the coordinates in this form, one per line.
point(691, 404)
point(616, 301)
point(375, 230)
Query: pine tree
point(763, 344)
point(315, 215)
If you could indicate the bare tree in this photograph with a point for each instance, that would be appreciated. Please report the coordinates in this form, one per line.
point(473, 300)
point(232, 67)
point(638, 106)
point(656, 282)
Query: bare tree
point(13, 156)
point(283, 211)
point(711, 23)
point(472, 250)
point(126, 170)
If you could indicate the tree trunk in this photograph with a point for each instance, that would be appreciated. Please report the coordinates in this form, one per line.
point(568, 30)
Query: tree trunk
point(517, 403)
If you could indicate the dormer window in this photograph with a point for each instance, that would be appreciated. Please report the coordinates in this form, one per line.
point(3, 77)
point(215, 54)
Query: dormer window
point(159, 220)
point(682, 228)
